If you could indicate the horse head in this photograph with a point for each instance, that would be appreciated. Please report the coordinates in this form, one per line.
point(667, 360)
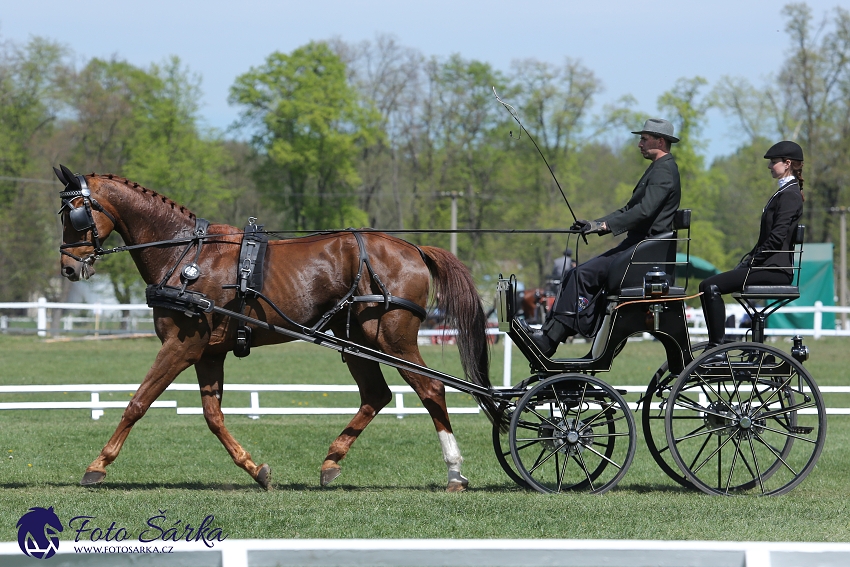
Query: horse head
point(86, 224)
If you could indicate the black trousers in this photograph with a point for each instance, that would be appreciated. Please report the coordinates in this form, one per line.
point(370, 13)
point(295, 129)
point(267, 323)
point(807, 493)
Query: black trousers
point(733, 280)
point(581, 300)
point(713, 307)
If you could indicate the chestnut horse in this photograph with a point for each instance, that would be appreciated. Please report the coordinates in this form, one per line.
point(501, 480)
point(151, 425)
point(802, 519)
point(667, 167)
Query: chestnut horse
point(305, 278)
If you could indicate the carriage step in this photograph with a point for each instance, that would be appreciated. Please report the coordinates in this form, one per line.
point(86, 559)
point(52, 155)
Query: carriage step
point(800, 429)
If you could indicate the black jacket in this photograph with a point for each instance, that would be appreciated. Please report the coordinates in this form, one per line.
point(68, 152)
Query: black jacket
point(778, 223)
point(653, 204)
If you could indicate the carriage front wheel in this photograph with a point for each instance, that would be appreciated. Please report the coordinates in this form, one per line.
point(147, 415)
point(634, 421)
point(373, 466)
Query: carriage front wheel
point(745, 418)
point(572, 432)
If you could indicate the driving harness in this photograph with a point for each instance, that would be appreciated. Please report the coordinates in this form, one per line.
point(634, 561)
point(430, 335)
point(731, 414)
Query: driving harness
point(249, 285)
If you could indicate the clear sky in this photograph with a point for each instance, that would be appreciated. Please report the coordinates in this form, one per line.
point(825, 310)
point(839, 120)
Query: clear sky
point(636, 48)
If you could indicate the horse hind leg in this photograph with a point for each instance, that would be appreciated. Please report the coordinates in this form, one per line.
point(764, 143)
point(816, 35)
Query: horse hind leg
point(396, 335)
point(210, 370)
point(374, 396)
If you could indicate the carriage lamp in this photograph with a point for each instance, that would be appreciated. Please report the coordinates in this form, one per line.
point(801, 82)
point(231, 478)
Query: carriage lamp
point(655, 284)
point(799, 351)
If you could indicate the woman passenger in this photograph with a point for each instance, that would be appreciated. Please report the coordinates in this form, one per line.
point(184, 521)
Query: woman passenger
point(778, 224)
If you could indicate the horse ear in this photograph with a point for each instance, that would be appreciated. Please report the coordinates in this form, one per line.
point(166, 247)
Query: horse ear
point(71, 179)
point(61, 175)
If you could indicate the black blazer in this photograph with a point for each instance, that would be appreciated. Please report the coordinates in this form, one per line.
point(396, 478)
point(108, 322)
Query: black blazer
point(653, 203)
point(778, 223)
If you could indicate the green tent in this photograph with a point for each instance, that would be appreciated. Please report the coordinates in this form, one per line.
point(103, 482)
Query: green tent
point(698, 267)
point(816, 284)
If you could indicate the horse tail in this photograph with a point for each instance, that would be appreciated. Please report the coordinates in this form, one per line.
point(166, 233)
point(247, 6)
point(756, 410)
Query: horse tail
point(458, 300)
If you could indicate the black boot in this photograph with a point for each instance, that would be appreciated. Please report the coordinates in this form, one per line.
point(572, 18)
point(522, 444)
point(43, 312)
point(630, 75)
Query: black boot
point(714, 311)
point(549, 336)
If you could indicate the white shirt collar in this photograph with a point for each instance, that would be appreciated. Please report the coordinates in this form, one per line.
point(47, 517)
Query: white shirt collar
point(785, 181)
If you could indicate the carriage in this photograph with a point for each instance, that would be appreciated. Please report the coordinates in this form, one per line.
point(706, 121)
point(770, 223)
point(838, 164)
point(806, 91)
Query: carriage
point(739, 418)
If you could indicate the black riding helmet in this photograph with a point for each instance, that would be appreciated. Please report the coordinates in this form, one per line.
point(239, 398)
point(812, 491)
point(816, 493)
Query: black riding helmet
point(786, 150)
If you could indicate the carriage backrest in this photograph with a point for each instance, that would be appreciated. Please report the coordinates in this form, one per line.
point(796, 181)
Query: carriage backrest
point(657, 253)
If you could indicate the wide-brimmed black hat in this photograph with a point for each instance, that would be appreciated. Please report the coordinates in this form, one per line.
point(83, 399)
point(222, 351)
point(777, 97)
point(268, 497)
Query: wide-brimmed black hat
point(785, 149)
point(659, 128)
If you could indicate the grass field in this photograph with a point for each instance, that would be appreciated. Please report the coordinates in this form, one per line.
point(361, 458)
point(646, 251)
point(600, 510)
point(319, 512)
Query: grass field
point(393, 480)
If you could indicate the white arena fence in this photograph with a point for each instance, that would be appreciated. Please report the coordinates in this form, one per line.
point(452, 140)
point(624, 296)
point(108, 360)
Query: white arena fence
point(450, 553)
point(96, 405)
point(100, 313)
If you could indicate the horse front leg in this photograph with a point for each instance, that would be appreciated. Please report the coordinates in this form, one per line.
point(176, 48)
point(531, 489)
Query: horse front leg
point(210, 370)
point(171, 360)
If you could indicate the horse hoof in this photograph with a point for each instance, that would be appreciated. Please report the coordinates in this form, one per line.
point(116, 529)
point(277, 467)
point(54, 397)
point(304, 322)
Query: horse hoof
point(457, 482)
point(264, 477)
point(92, 477)
point(329, 474)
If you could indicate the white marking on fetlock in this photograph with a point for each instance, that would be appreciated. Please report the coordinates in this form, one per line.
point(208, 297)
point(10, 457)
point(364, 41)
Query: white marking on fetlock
point(452, 457)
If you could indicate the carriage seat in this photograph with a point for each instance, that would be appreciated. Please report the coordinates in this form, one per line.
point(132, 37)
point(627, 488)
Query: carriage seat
point(774, 296)
point(784, 293)
point(770, 292)
point(658, 253)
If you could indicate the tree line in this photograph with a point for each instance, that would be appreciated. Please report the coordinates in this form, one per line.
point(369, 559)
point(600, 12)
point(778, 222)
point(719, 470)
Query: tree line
point(338, 134)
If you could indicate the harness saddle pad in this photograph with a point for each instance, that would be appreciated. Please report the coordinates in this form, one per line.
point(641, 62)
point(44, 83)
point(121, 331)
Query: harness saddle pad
point(252, 255)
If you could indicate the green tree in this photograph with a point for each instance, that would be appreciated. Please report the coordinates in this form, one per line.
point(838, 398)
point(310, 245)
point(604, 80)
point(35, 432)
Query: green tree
point(29, 103)
point(144, 125)
point(687, 107)
point(308, 126)
point(807, 101)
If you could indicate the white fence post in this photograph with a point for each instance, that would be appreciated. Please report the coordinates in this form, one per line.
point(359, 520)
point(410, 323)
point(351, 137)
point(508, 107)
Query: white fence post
point(818, 325)
point(506, 375)
point(42, 317)
point(255, 404)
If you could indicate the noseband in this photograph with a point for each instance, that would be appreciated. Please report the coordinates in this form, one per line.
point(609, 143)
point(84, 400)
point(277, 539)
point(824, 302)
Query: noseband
point(82, 220)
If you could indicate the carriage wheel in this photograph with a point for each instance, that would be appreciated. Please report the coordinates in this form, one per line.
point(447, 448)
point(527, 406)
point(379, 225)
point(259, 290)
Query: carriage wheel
point(745, 417)
point(572, 432)
point(502, 448)
point(652, 419)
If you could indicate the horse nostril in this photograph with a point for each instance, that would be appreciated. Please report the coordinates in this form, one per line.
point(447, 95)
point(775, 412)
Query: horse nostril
point(67, 271)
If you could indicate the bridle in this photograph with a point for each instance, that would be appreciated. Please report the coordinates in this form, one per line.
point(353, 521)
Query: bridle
point(82, 220)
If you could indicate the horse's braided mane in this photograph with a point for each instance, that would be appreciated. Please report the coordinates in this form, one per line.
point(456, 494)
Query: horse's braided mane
point(146, 191)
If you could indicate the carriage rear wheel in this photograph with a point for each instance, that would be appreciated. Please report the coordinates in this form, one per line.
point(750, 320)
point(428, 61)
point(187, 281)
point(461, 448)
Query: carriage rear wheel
point(502, 448)
point(745, 418)
point(572, 432)
point(653, 409)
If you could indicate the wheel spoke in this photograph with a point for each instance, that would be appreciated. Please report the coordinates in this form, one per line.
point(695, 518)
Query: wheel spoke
point(584, 468)
point(600, 455)
point(789, 434)
point(756, 463)
point(715, 452)
point(732, 467)
point(777, 455)
point(789, 409)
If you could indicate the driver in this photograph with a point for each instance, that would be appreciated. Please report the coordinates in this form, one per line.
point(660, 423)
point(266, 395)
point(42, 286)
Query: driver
point(650, 211)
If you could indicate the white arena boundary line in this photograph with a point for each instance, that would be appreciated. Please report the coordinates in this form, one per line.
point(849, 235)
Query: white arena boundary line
point(457, 553)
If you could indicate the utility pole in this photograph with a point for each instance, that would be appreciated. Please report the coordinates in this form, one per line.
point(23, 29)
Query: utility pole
point(842, 292)
point(453, 238)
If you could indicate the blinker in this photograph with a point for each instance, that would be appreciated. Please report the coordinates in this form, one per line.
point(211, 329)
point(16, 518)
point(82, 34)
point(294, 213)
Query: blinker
point(80, 218)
